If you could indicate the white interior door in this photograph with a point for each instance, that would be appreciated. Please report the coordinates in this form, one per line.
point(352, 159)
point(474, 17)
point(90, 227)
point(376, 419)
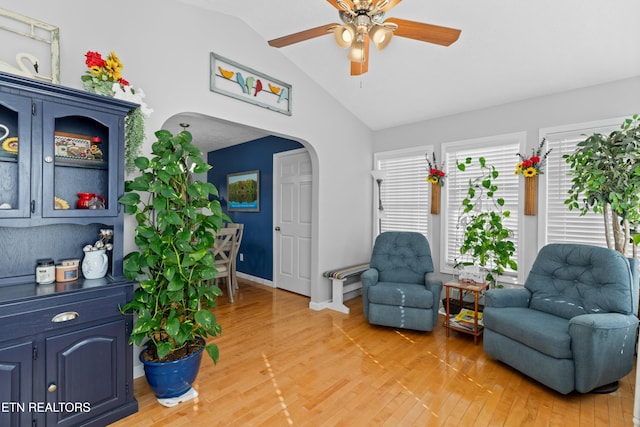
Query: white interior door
point(292, 177)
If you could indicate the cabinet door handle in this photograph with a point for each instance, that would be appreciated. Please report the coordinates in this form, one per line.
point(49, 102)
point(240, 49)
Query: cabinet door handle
point(52, 387)
point(65, 317)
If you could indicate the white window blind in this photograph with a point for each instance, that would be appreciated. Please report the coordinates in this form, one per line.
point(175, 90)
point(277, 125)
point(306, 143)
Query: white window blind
point(499, 152)
point(561, 225)
point(404, 192)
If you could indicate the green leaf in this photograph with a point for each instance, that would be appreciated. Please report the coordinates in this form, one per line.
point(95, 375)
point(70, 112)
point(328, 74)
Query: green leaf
point(169, 273)
point(141, 163)
point(213, 352)
point(206, 319)
point(175, 284)
point(163, 348)
point(131, 199)
point(172, 326)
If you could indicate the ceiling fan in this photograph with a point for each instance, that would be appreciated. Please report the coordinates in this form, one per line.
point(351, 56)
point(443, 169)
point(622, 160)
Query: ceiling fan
point(363, 21)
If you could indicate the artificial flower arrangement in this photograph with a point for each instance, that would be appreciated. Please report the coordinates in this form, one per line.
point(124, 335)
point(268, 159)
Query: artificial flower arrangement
point(104, 77)
point(533, 165)
point(103, 242)
point(436, 172)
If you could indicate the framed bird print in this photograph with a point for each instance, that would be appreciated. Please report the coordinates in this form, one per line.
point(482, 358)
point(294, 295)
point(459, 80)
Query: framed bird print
point(246, 84)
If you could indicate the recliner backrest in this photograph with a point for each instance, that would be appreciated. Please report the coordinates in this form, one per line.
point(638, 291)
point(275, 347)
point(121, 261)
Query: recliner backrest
point(401, 256)
point(572, 279)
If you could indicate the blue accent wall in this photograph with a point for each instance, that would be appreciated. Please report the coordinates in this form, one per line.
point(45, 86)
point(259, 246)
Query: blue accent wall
point(257, 240)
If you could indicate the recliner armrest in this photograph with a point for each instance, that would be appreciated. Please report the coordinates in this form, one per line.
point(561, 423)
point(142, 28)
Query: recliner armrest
point(507, 298)
point(434, 284)
point(369, 277)
point(603, 347)
point(603, 321)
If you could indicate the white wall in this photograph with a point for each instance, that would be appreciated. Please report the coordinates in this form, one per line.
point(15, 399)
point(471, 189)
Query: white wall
point(613, 100)
point(165, 47)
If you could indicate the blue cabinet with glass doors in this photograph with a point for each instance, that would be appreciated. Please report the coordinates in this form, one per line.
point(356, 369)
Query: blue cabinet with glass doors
point(61, 173)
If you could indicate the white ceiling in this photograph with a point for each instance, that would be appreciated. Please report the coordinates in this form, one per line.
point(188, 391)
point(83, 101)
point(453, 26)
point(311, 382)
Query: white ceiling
point(211, 134)
point(508, 51)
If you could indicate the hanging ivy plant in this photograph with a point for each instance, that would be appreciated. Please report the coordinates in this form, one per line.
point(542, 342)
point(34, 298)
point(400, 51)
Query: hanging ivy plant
point(134, 137)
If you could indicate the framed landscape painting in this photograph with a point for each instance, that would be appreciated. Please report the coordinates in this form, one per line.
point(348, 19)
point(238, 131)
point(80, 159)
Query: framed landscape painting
point(243, 191)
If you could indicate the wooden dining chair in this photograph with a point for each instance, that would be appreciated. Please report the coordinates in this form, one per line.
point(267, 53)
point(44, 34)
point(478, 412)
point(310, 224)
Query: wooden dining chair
point(223, 252)
point(234, 261)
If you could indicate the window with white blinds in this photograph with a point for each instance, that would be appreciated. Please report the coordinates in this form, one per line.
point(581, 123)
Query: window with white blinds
point(499, 151)
point(557, 223)
point(404, 191)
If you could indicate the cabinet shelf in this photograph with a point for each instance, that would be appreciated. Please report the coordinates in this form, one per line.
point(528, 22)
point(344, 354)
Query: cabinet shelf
point(79, 163)
point(10, 158)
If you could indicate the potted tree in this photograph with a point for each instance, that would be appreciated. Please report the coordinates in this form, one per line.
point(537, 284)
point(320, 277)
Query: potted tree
point(606, 179)
point(173, 263)
point(486, 239)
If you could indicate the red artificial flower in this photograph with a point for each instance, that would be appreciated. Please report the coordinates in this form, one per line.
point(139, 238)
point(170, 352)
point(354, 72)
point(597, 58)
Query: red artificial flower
point(123, 82)
point(440, 173)
point(433, 171)
point(94, 59)
point(526, 164)
point(535, 159)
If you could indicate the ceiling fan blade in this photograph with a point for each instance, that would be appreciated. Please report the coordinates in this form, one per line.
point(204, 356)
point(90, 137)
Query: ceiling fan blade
point(302, 35)
point(425, 32)
point(358, 68)
point(392, 4)
point(335, 4)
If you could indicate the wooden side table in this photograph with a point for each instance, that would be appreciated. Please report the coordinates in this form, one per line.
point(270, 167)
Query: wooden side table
point(463, 286)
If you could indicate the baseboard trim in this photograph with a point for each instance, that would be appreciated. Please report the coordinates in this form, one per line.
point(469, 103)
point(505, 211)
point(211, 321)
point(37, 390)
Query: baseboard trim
point(255, 279)
point(138, 371)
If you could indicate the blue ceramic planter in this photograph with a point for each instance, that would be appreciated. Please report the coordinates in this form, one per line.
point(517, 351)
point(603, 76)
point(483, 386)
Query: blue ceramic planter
point(172, 379)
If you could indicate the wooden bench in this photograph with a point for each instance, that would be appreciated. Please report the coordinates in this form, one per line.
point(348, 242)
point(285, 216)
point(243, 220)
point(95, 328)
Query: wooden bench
point(338, 278)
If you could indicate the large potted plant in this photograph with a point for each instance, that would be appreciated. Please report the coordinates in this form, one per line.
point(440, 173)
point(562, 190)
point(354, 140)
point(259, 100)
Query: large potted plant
point(486, 239)
point(176, 221)
point(605, 171)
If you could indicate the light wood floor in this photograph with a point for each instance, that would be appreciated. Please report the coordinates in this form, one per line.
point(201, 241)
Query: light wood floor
point(282, 364)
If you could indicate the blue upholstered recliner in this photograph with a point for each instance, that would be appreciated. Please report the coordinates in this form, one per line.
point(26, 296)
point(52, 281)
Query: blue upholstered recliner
point(400, 289)
point(573, 326)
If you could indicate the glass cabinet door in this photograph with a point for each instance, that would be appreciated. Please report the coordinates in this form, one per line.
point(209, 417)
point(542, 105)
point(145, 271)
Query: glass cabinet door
point(15, 156)
point(79, 162)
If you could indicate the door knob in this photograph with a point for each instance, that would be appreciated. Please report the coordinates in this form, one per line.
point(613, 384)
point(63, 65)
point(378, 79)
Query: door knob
point(277, 228)
point(52, 387)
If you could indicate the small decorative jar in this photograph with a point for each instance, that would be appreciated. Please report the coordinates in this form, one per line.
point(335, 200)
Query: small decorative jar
point(67, 271)
point(45, 271)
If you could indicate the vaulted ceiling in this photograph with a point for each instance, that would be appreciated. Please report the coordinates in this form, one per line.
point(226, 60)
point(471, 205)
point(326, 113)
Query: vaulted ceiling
point(507, 51)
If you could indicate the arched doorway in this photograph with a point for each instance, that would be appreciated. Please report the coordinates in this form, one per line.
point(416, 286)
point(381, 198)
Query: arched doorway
point(212, 134)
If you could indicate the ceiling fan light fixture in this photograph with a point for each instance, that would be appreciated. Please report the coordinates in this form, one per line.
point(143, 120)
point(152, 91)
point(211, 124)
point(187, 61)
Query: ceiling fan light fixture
point(380, 36)
point(344, 35)
point(363, 21)
point(356, 54)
